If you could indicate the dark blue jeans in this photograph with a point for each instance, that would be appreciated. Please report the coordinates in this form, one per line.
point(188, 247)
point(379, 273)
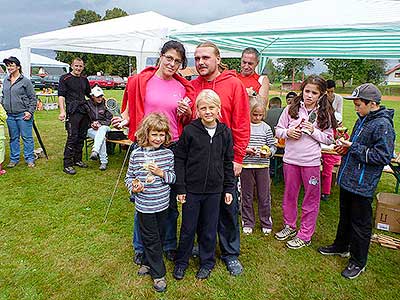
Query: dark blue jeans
point(17, 128)
point(169, 242)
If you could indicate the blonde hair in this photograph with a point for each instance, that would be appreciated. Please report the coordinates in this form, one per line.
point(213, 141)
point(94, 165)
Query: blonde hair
point(156, 122)
point(209, 96)
point(221, 66)
point(257, 102)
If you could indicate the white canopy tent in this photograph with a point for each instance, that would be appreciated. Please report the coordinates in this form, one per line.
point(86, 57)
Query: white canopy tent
point(36, 59)
point(141, 35)
point(314, 28)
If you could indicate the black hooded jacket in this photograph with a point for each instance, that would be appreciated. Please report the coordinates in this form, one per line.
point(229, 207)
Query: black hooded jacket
point(203, 165)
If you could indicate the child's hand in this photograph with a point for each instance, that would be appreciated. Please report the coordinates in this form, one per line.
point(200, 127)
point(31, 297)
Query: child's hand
point(308, 126)
point(153, 168)
point(95, 125)
point(251, 151)
point(228, 198)
point(343, 142)
point(137, 186)
point(181, 198)
point(294, 133)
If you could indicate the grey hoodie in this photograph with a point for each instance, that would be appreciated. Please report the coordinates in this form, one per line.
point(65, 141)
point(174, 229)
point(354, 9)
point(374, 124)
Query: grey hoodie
point(19, 97)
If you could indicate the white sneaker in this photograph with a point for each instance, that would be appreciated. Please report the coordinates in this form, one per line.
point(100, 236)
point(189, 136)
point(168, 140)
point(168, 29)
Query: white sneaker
point(297, 243)
point(266, 231)
point(247, 230)
point(285, 233)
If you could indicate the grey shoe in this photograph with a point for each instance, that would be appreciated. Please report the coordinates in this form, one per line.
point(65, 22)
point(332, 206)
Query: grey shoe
point(234, 267)
point(285, 233)
point(143, 270)
point(12, 164)
point(94, 155)
point(297, 243)
point(160, 284)
point(352, 271)
point(103, 167)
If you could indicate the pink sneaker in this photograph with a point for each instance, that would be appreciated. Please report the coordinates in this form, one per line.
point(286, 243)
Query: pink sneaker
point(2, 172)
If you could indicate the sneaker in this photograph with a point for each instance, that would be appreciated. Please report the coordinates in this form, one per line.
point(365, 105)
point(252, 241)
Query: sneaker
point(333, 250)
point(138, 258)
point(103, 167)
point(203, 273)
point(285, 233)
point(324, 197)
point(170, 255)
point(178, 273)
point(247, 230)
point(297, 243)
point(2, 172)
point(12, 164)
point(69, 170)
point(234, 267)
point(94, 155)
point(266, 231)
point(143, 270)
point(352, 271)
point(31, 165)
point(81, 164)
point(195, 251)
point(160, 284)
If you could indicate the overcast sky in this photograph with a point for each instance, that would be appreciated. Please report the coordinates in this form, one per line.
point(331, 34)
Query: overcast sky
point(27, 17)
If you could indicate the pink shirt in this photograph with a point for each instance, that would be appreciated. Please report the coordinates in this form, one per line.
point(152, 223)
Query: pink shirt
point(162, 96)
point(306, 151)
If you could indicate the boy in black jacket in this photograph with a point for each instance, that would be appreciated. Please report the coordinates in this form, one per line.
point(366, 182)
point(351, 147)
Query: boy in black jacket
point(100, 120)
point(204, 170)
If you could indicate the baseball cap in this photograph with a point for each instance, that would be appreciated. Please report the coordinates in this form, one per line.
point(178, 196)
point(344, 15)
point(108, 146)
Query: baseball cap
point(12, 59)
point(97, 91)
point(366, 91)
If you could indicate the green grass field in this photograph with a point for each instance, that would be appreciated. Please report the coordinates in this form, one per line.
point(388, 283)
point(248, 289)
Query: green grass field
point(54, 244)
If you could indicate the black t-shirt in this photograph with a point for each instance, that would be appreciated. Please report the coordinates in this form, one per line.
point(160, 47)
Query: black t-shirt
point(74, 89)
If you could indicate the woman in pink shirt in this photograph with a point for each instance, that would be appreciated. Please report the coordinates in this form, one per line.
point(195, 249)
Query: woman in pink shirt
point(306, 123)
point(160, 89)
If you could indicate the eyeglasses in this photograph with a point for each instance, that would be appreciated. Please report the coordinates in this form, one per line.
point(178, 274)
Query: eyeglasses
point(170, 59)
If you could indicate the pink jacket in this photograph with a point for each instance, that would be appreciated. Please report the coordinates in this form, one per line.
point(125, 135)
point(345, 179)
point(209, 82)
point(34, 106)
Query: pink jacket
point(306, 151)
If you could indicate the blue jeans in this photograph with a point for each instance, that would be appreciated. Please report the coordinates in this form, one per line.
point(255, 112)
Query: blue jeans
point(170, 242)
point(17, 127)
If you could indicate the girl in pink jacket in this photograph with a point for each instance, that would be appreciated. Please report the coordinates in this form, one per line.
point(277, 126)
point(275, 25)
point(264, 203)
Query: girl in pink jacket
point(306, 123)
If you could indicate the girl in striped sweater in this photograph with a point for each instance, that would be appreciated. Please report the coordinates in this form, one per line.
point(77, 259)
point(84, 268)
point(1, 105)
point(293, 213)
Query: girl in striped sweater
point(255, 171)
point(149, 175)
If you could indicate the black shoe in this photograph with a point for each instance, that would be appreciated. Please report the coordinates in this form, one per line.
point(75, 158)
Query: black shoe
point(81, 164)
point(352, 271)
point(333, 250)
point(138, 258)
point(170, 255)
point(94, 155)
point(69, 170)
point(324, 197)
point(203, 273)
point(234, 267)
point(178, 273)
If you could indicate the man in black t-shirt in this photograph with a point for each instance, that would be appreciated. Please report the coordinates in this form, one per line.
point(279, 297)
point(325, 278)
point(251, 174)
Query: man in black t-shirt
point(72, 89)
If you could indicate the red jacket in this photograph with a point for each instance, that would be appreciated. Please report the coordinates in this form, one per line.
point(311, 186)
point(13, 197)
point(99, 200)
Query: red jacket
point(235, 111)
point(134, 96)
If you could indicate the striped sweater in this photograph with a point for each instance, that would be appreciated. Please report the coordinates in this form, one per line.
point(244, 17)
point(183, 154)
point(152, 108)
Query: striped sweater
point(261, 134)
point(155, 196)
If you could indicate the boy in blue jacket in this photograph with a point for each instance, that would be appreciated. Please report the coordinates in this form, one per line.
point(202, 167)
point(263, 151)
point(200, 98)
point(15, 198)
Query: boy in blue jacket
point(369, 149)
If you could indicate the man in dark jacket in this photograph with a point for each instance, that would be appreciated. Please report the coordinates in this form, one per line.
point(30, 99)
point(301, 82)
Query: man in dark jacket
point(72, 89)
point(369, 149)
point(100, 120)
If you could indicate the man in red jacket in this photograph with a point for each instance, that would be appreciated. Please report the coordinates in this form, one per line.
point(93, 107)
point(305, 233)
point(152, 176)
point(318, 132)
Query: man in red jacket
point(235, 113)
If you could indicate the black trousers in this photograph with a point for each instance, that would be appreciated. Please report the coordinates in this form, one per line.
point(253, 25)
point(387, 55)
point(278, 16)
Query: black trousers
point(199, 214)
point(77, 126)
point(355, 226)
point(229, 229)
point(152, 232)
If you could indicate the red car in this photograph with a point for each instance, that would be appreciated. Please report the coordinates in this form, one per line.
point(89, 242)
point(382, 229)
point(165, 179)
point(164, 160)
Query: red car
point(105, 82)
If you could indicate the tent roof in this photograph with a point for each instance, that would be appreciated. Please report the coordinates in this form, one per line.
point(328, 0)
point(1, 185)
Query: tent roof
point(314, 28)
point(36, 59)
point(131, 35)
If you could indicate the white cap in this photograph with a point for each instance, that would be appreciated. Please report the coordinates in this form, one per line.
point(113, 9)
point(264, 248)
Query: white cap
point(97, 91)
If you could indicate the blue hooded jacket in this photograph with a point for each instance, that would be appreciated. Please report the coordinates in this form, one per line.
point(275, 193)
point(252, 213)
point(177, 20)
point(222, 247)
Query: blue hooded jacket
point(372, 148)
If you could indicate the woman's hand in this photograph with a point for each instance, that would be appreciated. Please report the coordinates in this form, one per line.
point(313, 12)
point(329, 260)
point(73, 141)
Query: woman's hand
point(228, 198)
point(27, 116)
point(184, 107)
point(294, 133)
point(119, 122)
point(181, 198)
point(154, 169)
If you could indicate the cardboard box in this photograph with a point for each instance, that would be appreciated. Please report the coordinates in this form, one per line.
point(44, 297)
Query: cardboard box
point(388, 212)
